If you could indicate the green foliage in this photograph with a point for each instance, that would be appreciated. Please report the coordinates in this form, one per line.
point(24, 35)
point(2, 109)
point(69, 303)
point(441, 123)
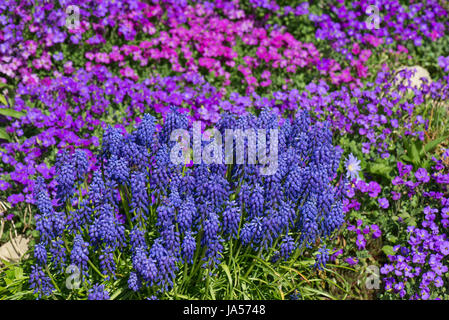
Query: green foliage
point(14, 282)
point(418, 154)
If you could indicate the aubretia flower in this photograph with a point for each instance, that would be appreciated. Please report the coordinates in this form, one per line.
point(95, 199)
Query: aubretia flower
point(16, 198)
point(422, 175)
point(4, 185)
point(376, 231)
point(395, 195)
point(373, 189)
point(445, 154)
point(58, 56)
point(360, 242)
point(353, 167)
point(352, 261)
point(444, 247)
point(383, 203)
point(443, 62)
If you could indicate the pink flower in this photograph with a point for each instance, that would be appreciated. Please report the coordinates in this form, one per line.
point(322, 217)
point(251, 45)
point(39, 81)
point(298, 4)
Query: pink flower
point(365, 55)
point(129, 73)
point(89, 55)
point(355, 48)
point(374, 41)
point(401, 49)
point(266, 74)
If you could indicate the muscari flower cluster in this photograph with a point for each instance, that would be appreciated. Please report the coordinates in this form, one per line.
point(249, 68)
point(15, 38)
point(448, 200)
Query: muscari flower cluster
point(160, 215)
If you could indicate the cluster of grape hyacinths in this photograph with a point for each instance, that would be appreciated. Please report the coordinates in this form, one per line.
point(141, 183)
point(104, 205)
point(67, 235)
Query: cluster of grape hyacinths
point(141, 218)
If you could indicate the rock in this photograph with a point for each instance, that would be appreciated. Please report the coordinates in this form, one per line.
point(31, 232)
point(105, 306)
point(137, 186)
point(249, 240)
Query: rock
point(415, 80)
point(14, 249)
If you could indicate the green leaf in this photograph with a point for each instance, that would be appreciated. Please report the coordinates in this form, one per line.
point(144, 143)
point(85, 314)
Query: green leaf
point(3, 100)
point(11, 113)
point(18, 272)
point(407, 159)
point(228, 274)
point(4, 135)
point(363, 254)
point(381, 169)
point(388, 250)
point(430, 146)
point(415, 154)
point(391, 238)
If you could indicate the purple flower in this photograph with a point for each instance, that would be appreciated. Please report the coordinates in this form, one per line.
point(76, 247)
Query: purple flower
point(397, 181)
point(336, 254)
point(438, 282)
point(360, 242)
point(58, 56)
point(395, 195)
point(16, 198)
point(383, 203)
point(439, 268)
point(422, 175)
point(352, 261)
point(386, 269)
point(98, 292)
point(425, 293)
point(443, 62)
point(376, 231)
point(4, 185)
point(404, 169)
point(444, 247)
point(373, 189)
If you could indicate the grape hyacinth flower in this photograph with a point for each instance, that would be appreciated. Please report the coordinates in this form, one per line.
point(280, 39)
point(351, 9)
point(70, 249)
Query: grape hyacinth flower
point(177, 214)
point(98, 292)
